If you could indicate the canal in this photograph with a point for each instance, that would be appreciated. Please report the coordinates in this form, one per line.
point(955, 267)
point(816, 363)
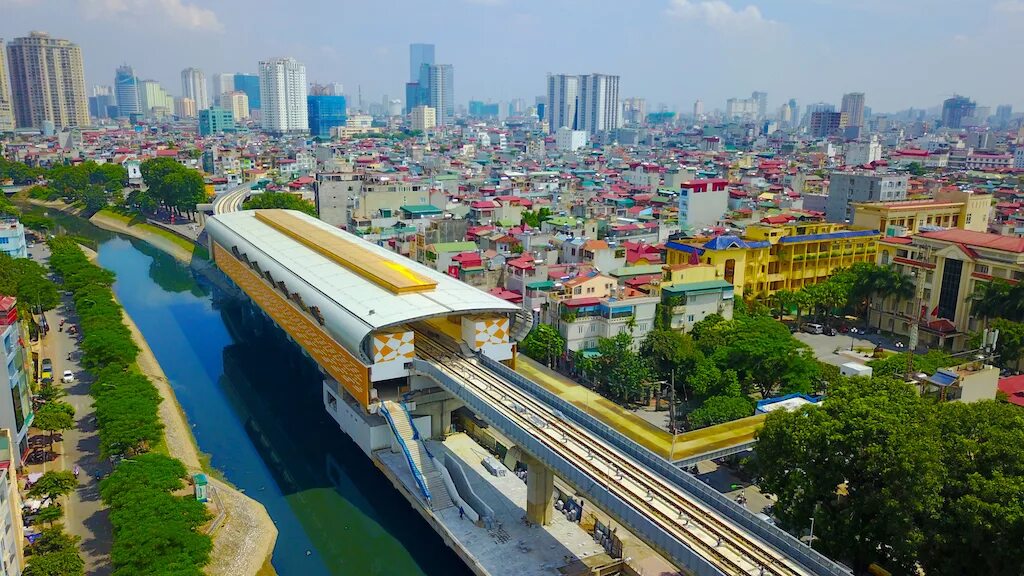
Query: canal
point(253, 400)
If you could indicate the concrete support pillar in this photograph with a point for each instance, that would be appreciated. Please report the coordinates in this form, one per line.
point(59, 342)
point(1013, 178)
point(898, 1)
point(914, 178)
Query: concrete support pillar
point(540, 489)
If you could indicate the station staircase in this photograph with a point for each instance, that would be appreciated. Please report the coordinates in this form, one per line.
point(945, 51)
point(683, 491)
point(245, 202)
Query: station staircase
point(418, 456)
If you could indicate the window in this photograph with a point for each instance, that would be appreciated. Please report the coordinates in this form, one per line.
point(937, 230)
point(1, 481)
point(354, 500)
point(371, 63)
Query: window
point(981, 268)
point(968, 218)
point(689, 318)
point(4, 240)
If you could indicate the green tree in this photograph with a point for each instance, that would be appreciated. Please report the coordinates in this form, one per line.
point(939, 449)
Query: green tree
point(54, 539)
point(720, 409)
point(535, 219)
point(765, 355)
point(990, 299)
point(896, 364)
point(619, 370)
point(53, 484)
point(282, 200)
point(544, 344)
point(50, 514)
point(63, 563)
point(915, 169)
point(55, 416)
point(865, 465)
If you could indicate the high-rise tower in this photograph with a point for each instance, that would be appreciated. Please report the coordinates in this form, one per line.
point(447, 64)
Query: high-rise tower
point(193, 85)
point(283, 105)
point(47, 82)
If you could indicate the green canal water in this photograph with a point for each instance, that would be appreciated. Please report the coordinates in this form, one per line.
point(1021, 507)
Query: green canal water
point(253, 400)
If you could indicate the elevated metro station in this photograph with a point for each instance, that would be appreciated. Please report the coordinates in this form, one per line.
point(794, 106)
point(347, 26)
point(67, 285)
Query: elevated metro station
point(402, 347)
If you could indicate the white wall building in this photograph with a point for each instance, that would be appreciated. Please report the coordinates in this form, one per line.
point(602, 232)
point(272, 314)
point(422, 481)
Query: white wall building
point(863, 152)
point(563, 90)
point(598, 107)
point(237, 102)
point(569, 140)
point(12, 239)
point(193, 85)
point(283, 96)
point(222, 84)
point(1018, 157)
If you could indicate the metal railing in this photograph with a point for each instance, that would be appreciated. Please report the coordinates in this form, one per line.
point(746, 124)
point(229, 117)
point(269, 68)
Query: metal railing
point(773, 535)
point(600, 495)
point(415, 430)
point(416, 474)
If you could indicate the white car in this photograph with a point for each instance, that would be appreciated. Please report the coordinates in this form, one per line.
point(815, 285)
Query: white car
point(68, 377)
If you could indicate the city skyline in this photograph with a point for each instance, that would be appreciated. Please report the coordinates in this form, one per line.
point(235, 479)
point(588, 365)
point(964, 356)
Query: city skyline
point(744, 47)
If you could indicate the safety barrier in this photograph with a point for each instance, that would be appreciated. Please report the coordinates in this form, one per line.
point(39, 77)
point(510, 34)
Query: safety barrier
point(773, 535)
point(415, 431)
point(628, 516)
point(416, 474)
point(449, 485)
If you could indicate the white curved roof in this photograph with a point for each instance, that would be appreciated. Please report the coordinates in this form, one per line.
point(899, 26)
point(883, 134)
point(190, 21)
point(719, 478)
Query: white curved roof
point(352, 305)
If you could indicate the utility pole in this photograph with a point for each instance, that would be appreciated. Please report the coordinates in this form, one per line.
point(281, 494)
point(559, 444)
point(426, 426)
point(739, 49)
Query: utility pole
point(913, 335)
point(672, 404)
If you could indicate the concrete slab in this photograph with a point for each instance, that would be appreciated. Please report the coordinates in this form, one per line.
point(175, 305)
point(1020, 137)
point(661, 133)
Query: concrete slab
point(513, 548)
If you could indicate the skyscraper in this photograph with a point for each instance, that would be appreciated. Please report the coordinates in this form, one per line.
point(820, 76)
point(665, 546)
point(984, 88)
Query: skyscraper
point(325, 112)
point(563, 91)
point(761, 98)
point(238, 103)
point(955, 109)
point(193, 85)
point(47, 82)
point(419, 54)
point(598, 106)
point(126, 89)
point(101, 102)
point(250, 84)
point(154, 101)
point(853, 106)
point(441, 92)
point(794, 112)
point(283, 96)
point(6, 103)
point(222, 84)
point(698, 108)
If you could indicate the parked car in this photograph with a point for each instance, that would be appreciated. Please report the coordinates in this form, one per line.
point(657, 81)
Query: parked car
point(68, 377)
point(812, 328)
point(46, 370)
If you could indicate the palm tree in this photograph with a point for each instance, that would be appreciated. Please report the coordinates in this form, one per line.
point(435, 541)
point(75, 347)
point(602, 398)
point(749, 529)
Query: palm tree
point(893, 284)
point(992, 299)
point(783, 299)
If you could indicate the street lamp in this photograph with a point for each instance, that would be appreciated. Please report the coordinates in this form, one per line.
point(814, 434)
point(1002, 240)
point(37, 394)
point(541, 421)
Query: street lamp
point(810, 537)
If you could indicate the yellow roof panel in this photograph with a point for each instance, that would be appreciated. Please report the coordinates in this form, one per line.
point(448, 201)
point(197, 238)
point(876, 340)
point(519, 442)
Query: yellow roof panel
point(392, 276)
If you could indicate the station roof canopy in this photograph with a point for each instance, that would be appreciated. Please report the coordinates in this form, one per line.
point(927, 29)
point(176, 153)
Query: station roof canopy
point(361, 286)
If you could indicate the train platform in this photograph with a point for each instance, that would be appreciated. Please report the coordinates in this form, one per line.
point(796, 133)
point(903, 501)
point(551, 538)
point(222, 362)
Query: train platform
point(658, 440)
point(513, 547)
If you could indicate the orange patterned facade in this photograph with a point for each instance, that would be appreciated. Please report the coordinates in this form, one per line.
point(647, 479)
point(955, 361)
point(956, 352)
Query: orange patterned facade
point(334, 358)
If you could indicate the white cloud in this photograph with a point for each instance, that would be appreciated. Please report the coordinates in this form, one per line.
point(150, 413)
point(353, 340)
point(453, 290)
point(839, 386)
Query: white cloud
point(174, 12)
point(719, 14)
point(1009, 6)
point(485, 2)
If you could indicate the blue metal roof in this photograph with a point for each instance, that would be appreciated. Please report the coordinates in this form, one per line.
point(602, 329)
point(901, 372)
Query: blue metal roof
point(725, 243)
point(943, 378)
point(684, 248)
point(828, 236)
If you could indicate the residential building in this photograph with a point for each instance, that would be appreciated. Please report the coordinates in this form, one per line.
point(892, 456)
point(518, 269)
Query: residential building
point(698, 108)
point(325, 112)
point(15, 408)
point(250, 84)
point(237, 102)
point(583, 321)
point(216, 120)
point(1018, 158)
point(184, 108)
point(827, 124)
point(969, 382)
point(846, 188)
point(634, 111)
point(126, 89)
point(423, 118)
point(283, 96)
point(193, 85)
point(7, 123)
point(47, 82)
point(947, 265)
point(702, 203)
point(861, 152)
point(690, 292)
point(773, 257)
point(741, 108)
point(563, 93)
point(853, 107)
point(441, 92)
point(569, 140)
point(12, 238)
point(598, 108)
point(12, 532)
point(154, 101)
point(222, 84)
point(952, 208)
point(955, 110)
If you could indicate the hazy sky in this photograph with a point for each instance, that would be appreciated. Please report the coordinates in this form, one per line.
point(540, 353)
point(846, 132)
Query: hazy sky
point(901, 53)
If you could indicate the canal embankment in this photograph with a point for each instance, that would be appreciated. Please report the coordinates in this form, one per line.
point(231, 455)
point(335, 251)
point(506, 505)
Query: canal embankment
point(243, 533)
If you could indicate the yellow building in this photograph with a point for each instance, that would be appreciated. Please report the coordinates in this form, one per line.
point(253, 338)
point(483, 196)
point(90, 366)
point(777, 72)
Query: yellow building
point(948, 266)
point(772, 257)
point(951, 208)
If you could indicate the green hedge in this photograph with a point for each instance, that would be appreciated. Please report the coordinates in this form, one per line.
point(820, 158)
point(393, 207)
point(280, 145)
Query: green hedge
point(155, 532)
